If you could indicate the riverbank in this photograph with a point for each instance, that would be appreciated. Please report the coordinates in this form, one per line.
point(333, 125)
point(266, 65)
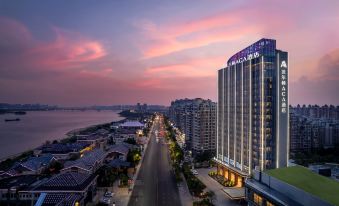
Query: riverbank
point(37, 127)
point(7, 162)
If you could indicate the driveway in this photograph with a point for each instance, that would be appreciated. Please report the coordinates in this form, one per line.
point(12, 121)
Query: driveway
point(220, 196)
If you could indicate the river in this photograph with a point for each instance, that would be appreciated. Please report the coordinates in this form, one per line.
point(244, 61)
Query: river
point(36, 127)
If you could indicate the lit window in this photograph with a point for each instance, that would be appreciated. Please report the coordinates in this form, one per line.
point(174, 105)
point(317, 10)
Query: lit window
point(269, 204)
point(257, 199)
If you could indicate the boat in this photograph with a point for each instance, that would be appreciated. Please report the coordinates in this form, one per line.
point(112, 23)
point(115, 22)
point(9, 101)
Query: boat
point(12, 120)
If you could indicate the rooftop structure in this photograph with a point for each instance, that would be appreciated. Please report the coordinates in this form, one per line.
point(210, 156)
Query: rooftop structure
point(133, 124)
point(60, 148)
point(34, 165)
point(23, 182)
point(118, 163)
point(308, 181)
point(89, 163)
point(295, 185)
point(59, 199)
point(64, 182)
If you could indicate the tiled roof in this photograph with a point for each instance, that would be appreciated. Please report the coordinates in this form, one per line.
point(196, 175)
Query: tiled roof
point(63, 148)
point(61, 199)
point(120, 148)
point(119, 163)
point(22, 181)
point(88, 160)
point(32, 164)
point(72, 181)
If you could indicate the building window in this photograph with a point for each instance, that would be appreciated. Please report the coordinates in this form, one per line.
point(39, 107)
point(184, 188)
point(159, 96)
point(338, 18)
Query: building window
point(269, 203)
point(257, 199)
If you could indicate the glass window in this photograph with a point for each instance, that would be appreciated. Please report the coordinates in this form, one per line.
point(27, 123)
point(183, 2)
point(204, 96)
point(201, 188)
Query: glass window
point(257, 199)
point(269, 203)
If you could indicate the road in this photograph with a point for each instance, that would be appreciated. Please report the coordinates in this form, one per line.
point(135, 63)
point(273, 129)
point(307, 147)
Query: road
point(155, 184)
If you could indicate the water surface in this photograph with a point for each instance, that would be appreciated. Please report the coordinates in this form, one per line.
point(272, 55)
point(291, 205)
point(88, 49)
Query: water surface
point(37, 127)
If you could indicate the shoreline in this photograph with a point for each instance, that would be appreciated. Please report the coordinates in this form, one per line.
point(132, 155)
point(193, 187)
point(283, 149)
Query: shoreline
point(66, 136)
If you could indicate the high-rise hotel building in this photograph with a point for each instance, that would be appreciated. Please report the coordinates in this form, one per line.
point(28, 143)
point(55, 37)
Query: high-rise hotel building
point(253, 112)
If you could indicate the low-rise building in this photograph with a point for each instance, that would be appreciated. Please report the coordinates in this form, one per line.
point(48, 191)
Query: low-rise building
point(88, 163)
point(118, 151)
point(95, 140)
point(132, 125)
point(291, 186)
point(63, 151)
point(70, 186)
point(34, 165)
point(121, 135)
point(16, 189)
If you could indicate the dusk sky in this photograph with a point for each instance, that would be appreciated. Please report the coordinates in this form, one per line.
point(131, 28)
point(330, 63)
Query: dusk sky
point(122, 51)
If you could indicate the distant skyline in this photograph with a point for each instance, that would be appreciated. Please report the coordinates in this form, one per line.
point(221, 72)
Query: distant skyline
point(80, 53)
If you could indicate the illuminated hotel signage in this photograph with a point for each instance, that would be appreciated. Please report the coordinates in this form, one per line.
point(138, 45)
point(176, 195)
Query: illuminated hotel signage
point(262, 47)
point(245, 58)
point(283, 86)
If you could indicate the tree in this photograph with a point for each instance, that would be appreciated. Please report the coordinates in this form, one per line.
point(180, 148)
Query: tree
point(106, 177)
point(134, 156)
point(131, 141)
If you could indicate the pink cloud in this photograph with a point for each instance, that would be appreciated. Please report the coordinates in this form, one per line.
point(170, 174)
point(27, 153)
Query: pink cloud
point(240, 23)
point(67, 50)
point(196, 67)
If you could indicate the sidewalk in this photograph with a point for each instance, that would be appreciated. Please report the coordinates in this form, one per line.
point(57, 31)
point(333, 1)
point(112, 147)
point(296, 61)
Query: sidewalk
point(185, 195)
point(122, 195)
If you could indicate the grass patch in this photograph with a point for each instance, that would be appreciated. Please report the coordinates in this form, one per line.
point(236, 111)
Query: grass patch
point(301, 177)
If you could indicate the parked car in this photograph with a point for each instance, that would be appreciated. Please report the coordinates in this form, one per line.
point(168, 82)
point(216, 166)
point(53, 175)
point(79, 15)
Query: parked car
point(194, 172)
point(105, 200)
point(109, 194)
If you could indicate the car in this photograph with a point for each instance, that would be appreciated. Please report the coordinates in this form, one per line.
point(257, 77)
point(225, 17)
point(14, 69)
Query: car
point(105, 200)
point(194, 172)
point(109, 194)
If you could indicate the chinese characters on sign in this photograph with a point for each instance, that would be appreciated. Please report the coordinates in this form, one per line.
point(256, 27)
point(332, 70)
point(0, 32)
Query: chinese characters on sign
point(283, 89)
point(245, 58)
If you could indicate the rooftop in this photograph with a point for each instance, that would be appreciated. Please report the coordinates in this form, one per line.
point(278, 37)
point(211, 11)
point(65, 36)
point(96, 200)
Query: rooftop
point(62, 148)
point(302, 178)
point(119, 148)
point(23, 182)
point(61, 199)
point(32, 164)
point(116, 163)
point(88, 160)
point(132, 124)
point(70, 181)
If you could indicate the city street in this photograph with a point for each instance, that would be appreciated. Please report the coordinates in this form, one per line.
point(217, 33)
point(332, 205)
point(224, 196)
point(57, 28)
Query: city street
point(155, 184)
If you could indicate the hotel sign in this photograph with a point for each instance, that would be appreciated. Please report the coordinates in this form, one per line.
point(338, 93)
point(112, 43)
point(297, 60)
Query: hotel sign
point(245, 58)
point(282, 110)
point(283, 87)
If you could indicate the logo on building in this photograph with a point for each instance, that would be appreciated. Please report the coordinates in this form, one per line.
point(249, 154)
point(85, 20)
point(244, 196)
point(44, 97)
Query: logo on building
point(283, 87)
point(283, 64)
point(245, 58)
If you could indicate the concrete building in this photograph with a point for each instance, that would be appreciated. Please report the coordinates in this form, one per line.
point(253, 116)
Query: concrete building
point(297, 186)
point(308, 133)
point(253, 113)
point(196, 118)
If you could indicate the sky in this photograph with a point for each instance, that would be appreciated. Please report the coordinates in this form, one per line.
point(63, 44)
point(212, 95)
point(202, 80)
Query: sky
point(81, 52)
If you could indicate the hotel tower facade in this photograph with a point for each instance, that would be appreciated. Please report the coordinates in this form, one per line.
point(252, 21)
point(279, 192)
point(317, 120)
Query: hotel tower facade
point(253, 112)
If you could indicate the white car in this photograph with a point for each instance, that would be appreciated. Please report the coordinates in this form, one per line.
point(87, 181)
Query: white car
point(105, 200)
point(109, 194)
point(194, 172)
